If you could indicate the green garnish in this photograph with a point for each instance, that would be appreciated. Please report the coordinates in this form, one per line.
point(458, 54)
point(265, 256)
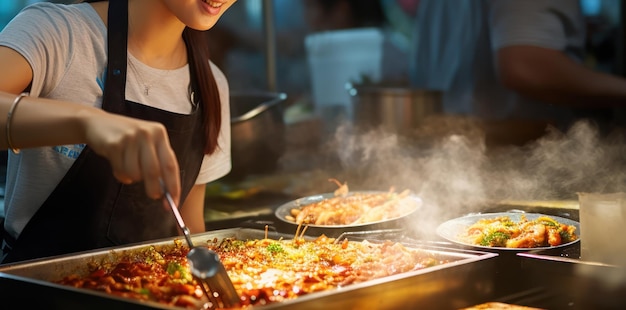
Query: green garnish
point(496, 238)
point(173, 267)
point(275, 248)
point(232, 245)
point(143, 291)
point(565, 236)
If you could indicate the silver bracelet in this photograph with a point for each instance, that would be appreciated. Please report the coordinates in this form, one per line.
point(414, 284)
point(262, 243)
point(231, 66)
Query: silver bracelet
point(9, 119)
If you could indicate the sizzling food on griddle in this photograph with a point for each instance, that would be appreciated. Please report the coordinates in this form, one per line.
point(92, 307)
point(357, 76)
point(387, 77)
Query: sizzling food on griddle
point(262, 270)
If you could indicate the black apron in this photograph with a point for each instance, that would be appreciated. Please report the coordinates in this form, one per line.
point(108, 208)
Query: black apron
point(89, 208)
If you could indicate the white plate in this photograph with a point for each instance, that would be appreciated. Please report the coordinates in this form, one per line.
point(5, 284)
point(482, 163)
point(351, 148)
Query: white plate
point(452, 229)
point(284, 210)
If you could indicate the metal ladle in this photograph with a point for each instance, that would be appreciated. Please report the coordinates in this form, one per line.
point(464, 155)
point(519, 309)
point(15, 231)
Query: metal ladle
point(205, 265)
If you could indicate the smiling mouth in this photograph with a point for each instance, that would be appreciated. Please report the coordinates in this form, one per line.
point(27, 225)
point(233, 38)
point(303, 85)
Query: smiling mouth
point(213, 4)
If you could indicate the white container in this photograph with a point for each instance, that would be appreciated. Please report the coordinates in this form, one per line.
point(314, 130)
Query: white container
point(602, 220)
point(338, 57)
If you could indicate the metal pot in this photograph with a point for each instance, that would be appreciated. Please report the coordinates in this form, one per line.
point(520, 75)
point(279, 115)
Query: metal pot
point(392, 108)
point(257, 131)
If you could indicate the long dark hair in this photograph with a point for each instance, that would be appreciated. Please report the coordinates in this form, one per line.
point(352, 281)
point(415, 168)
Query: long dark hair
point(205, 84)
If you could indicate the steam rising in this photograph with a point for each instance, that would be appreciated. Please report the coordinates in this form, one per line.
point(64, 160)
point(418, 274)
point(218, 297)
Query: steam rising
point(454, 167)
point(455, 172)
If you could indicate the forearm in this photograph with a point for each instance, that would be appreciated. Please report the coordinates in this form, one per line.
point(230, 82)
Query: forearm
point(552, 77)
point(193, 209)
point(43, 122)
point(136, 149)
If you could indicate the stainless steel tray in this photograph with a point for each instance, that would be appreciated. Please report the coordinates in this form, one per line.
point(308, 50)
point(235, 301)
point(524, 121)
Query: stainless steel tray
point(465, 280)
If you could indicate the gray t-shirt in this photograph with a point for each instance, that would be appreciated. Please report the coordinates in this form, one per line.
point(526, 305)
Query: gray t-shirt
point(66, 48)
point(455, 43)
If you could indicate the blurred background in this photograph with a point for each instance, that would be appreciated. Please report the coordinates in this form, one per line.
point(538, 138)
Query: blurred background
point(241, 37)
point(262, 44)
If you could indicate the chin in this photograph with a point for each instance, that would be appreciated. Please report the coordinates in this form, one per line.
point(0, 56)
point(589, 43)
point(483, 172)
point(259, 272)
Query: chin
point(202, 26)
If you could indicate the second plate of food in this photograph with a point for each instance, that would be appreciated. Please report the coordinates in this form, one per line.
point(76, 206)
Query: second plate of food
point(511, 231)
point(354, 209)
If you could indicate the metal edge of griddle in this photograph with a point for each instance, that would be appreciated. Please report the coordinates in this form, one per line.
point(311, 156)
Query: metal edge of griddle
point(36, 275)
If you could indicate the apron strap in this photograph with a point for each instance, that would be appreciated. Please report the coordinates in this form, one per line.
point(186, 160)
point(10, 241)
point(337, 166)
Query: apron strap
point(117, 44)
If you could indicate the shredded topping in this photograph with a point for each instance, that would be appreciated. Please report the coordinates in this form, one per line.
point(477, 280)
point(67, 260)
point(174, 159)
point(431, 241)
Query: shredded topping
point(347, 208)
point(262, 270)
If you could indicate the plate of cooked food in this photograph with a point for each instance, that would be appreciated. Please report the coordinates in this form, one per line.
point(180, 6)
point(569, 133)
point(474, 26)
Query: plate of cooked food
point(345, 210)
point(513, 231)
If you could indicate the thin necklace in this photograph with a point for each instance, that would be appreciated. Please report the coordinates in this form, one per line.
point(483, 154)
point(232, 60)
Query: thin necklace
point(147, 84)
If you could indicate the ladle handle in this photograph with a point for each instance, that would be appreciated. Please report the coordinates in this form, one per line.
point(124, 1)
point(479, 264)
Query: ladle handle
point(179, 218)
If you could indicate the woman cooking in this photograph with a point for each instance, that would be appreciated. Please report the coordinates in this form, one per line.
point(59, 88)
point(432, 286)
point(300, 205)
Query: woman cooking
point(106, 103)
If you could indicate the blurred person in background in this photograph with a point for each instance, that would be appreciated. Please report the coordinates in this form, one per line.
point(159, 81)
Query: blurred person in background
point(400, 18)
point(400, 15)
point(511, 60)
point(603, 19)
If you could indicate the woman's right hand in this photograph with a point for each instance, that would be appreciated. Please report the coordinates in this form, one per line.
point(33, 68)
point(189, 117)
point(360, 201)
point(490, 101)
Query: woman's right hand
point(138, 150)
